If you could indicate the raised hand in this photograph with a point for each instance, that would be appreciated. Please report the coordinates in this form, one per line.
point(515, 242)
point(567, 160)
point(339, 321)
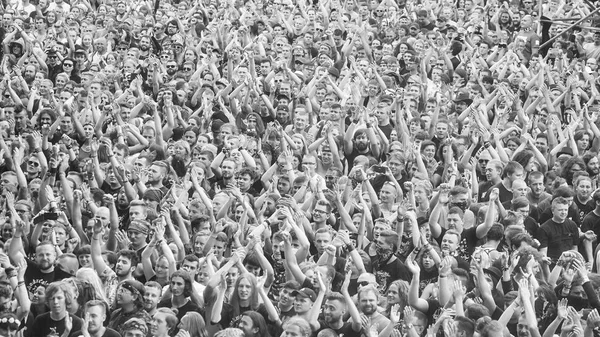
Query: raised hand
point(562, 308)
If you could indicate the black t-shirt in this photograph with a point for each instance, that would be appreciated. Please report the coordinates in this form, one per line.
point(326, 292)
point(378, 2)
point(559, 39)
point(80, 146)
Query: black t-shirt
point(181, 311)
point(346, 329)
point(558, 237)
point(591, 222)
point(466, 247)
point(34, 278)
point(107, 333)
point(390, 272)
point(43, 325)
point(584, 208)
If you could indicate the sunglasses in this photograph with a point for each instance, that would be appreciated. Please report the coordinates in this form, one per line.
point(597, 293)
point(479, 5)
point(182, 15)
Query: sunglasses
point(187, 69)
point(171, 66)
point(67, 65)
point(33, 163)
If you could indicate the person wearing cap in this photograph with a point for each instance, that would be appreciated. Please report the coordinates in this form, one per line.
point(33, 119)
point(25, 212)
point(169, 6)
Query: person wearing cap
point(130, 299)
point(285, 304)
point(303, 303)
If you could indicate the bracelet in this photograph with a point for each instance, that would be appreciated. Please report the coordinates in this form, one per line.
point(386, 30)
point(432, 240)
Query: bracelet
point(350, 247)
point(443, 276)
point(21, 283)
point(268, 223)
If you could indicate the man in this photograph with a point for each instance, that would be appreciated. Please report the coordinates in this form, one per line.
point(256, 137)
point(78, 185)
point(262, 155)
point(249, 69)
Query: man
point(152, 295)
point(130, 299)
point(245, 181)
point(491, 169)
point(285, 304)
point(558, 234)
point(360, 142)
point(368, 299)
point(512, 171)
point(41, 272)
point(227, 174)
point(138, 233)
point(134, 327)
point(387, 267)
point(335, 308)
point(537, 191)
point(58, 297)
point(157, 172)
point(95, 315)
point(181, 290)
point(305, 299)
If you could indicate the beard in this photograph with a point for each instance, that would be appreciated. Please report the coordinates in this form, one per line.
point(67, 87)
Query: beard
point(171, 72)
point(362, 146)
point(144, 48)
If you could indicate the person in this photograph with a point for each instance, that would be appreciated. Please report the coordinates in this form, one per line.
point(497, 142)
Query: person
point(59, 296)
point(93, 321)
point(181, 290)
point(130, 294)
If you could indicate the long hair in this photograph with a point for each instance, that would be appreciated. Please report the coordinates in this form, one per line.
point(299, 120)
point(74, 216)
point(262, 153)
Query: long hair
point(235, 298)
point(402, 287)
point(197, 326)
point(91, 277)
point(55, 287)
point(258, 321)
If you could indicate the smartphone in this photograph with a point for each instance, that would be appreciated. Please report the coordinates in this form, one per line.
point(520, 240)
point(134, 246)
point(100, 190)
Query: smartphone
point(378, 169)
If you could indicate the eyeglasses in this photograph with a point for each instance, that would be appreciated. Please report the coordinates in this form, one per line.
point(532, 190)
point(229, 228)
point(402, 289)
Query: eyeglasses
point(164, 57)
point(318, 211)
point(67, 64)
point(33, 163)
point(171, 66)
point(483, 161)
point(187, 69)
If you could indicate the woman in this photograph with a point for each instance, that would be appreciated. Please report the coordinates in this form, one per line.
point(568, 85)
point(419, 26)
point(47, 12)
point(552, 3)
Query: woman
point(90, 276)
point(397, 293)
point(38, 301)
point(164, 323)
point(245, 297)
point(194, 324)
point(9, 324)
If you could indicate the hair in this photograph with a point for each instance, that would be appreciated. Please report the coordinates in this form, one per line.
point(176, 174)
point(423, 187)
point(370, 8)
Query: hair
point(402, 293)
point(534, 175)
point(55, 287)
point(568, 165)
point(494, 329)
point(187, 280)
point(96, 303)
point(510, 168)
point(230, 332)
point(170, 317)
point(131, 255)
point(197, 325)
point(496, 232)
point(523, 157)
point(258, 321)
point(519, 202)
point(366, 289)
point(235, 297)
point(390, 237)
point(91, 277)
point(476, 311)
point(464, 324)
point(302, 324)
point(559, 201)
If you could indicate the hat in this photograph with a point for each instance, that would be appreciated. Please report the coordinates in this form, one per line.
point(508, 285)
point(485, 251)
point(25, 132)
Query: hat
point(291, 285)
point(141, 226)
point(334, 71)
point(135, 324)
point(305, 293)
point(463, 97)
point(386, 98)
point(494, 272)
point(134, 286)
point(302, 60)
point(153, 194)
point(79, 49)
point(449, 25)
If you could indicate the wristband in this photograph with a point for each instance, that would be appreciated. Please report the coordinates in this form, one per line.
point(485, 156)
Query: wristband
point(268, 223)
point(349, 247)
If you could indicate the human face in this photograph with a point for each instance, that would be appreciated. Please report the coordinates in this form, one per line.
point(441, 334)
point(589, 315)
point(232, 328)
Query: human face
point(387, 194)
point(58, 303)
point(537, 186)
point(449, 243)
point(519, 189)
point(231, 277)
point(123, 266)
point(302, 305)
point(560, 212)
point(322, 240)
point(584, 189)
point(429, 151)
point(292, 331)
point(244, 289)
point(177, 286)
point(96, 317)
point(190, 266)
point(159, 325)
point(151, 298)
point(368, 303)
point(333, 310)
point(392, 295)
point(320, 213)
point(45, 257)
point(136, 238)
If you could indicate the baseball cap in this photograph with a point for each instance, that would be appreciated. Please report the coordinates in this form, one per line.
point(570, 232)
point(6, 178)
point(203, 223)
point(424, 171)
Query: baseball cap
point(305, 293)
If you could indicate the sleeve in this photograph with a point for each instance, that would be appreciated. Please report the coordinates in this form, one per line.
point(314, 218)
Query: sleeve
point(542, 237)
point(575, 233)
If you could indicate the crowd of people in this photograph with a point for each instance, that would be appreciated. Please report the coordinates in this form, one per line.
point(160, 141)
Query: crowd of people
point(329, 168)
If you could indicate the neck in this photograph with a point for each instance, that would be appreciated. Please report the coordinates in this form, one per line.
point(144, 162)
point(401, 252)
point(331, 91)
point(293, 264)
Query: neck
point(285, 308)
point(99, 333)
point(244, 303)
point(126, 277)
point(583, 201)
point(58, 316)
point(128, 307)
point(336, 325)
point(557, 220)
point(47, 271)
point(179, 300)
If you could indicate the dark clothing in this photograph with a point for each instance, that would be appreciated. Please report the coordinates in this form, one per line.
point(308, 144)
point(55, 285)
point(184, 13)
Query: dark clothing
point(118, 318)
point(108, 333)
point(35, 278)
point(44, 325)
point(584, 208)
point(346, 329)
point(389, 272)
point(181, 311)
point(591, 222)
point(558, 237)
point(466, 246)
